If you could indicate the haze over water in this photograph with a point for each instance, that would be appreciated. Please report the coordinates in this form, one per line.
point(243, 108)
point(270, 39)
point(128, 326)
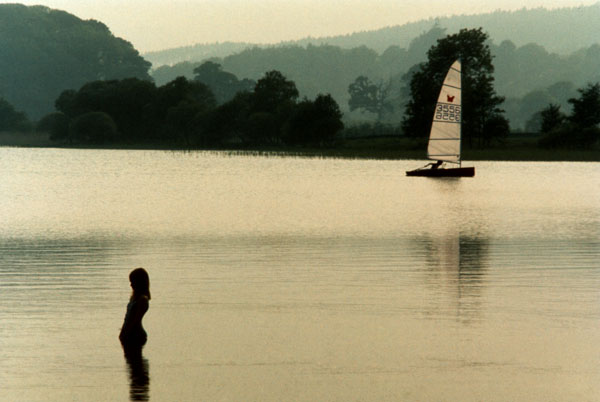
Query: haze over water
point(298, 279)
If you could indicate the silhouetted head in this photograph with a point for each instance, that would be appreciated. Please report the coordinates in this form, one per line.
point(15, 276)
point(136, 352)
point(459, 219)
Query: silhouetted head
point(140, 282)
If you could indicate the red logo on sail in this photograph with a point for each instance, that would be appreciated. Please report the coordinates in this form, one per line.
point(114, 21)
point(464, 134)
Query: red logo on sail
point(450, 98)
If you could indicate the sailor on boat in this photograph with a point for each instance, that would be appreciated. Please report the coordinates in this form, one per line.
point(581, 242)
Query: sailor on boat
point(435, 165)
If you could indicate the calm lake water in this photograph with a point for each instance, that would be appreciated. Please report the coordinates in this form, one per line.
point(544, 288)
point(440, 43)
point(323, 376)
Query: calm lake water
point(297, 279)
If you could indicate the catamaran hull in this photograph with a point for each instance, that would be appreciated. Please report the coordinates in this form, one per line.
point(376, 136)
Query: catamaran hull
point(450, 172)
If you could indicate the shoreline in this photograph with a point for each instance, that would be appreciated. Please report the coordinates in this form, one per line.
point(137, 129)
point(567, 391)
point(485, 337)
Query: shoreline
point(377, 148)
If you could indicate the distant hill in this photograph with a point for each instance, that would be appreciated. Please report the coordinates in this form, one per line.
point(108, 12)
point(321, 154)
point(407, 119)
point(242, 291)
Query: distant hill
point(558, 31)
point(195, 52)
point(529, 76)
point(45, 51)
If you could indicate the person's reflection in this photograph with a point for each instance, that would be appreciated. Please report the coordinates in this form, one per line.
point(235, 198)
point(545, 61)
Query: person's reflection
point(139, 378)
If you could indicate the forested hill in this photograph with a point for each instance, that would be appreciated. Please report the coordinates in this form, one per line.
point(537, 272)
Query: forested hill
point(529, 76)
point(45, 51)
point(558, 31)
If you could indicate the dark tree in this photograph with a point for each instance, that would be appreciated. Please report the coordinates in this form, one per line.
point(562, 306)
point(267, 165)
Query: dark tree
point(370, 97)
point(480, 101)
point(496, 128)
point(229, 122)
point(181, 89)
point(56, 125)
point(125, 101)
point(581, 129)
point(314, 122)
point(223, 84)
point(184, 123)
point(131, 99)
point(271, 104)
point(12, 120)
point(141, 112)
point(93, 128)
point(263, 128)
point(177, 104)
point(570, 135)
point(66, 103)
point(270, 115)
point(552, 118)
point(586, 108)
point(273, 92)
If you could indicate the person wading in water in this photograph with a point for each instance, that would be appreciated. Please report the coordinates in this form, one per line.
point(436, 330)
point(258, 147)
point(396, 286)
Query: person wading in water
point(133, 336)
point(132, 333)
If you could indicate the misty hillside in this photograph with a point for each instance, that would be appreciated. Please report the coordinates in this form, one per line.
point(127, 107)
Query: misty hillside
point(45, 51)
point(558, 31)
point(529, 76)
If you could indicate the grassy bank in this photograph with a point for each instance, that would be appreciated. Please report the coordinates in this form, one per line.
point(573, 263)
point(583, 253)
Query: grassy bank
point(32, 139)
point(515, 148)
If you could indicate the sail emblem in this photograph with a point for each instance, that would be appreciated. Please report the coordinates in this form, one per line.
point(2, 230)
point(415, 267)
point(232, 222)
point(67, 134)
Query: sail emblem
point(450, 98)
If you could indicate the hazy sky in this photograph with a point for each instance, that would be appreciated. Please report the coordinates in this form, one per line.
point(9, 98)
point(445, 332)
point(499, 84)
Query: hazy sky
point(160, 24)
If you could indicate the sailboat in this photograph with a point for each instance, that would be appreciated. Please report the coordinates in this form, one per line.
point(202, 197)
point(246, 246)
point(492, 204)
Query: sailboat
point(444, 138)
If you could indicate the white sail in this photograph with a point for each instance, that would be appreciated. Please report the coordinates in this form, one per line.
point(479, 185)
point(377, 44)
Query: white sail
point(444, 139)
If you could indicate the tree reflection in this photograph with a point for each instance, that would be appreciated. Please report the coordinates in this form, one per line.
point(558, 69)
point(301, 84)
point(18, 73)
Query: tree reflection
point(139, 377)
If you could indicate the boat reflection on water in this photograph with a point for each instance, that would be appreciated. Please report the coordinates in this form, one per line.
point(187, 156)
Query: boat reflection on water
point(457, 266)
point(139, 377)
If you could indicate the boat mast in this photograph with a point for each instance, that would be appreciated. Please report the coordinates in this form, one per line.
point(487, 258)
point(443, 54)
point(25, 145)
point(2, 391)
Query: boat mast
point(461, 117)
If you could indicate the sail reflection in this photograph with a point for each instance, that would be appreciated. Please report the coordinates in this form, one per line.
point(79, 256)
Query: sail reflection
point(456, 267)
point(139, 374)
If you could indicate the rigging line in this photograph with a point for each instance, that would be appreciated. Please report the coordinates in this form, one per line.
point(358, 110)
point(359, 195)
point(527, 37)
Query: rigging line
point(451, 86)
point(447, 103)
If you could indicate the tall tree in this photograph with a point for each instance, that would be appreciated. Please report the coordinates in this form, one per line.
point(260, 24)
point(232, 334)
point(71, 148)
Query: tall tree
point(272, 102)
point(274, 91)
point(314, 122)
point(480, 101)
point(179, 106)
point(370, 97)
point(93, 128)
point(222, 83)
point(586, 108)
point(12, 120)
point(552, 118)
point(125, 101)
point(581, 129)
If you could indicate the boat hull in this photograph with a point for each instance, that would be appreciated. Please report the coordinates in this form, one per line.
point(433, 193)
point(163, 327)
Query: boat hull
point(450, 172)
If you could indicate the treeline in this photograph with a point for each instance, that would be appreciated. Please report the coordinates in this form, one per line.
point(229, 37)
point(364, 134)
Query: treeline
point(44, 51)
point(580, 129)
point(186, 113)
point(213, 108)
point(316, 68)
